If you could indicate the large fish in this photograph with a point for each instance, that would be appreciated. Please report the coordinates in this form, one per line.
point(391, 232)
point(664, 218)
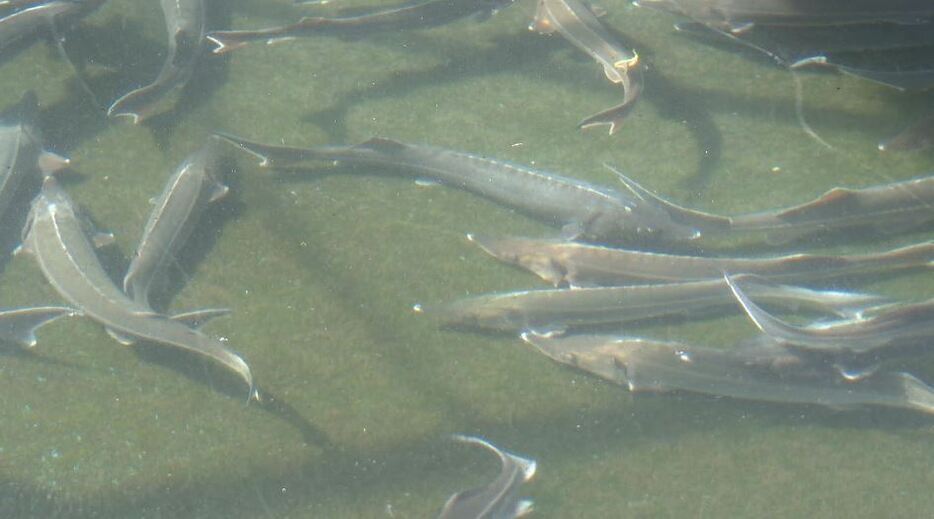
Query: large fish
point(190, 189)
point(581, 264)
point(576, 21)
point(184, 20)
point(56, 237)
point(36, 18)
point(417, 14)
point(21, 152)
point(498, 499)
point(557, 310)
point(580, 209)
point(765, 374)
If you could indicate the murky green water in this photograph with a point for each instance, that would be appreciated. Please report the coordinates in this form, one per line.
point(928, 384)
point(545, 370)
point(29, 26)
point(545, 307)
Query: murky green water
point(321, 274)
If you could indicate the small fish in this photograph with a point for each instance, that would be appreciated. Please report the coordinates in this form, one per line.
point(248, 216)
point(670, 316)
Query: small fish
point(417, 14)
point(582, 210)
point(176, 211)
point(767, 375)
point(576, 21)
point(498, 499)
point(19, 325)
point(56, 238)
point(184, 20)
point(581, 264)
point(889, 325)
point(21, 153)
point(555, 311)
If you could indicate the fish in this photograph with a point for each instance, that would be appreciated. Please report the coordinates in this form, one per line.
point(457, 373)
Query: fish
point(890, 324)
point(185, 23)
point(741, 15)
point(21, 149)
point(556, 310)
point(190, 189)
point(916, 137)
point(56, 238)
point(580, 209)
point(767, 375)
point(885, 208)
point(417, 14)
point(498, 499)
point(29, 19)
point(580, 264)
point(576, 21)
point(19, 325)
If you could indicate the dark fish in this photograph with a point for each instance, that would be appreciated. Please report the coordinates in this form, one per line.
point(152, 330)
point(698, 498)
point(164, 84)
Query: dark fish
point(765, 374)
point(418, 14)
point(184, 20)
point(581, 209)
point(498, 499)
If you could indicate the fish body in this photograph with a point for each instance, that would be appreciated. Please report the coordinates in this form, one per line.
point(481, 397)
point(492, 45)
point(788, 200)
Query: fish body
point(770, 375)
point(33, 18)
point(560, 309)
point(55, 236)
point(581, 264)
point(578, 24)
point(498, 499)
point(741, 15)
point(580, 209)
point(185, 23)
point(418, 15)
point(190, 189)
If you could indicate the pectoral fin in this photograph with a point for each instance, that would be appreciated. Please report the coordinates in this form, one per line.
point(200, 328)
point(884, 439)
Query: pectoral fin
point(20, 325)
point(541, 23)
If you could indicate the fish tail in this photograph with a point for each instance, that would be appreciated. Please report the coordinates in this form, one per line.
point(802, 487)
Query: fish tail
point(226, 41)
point(138, 104)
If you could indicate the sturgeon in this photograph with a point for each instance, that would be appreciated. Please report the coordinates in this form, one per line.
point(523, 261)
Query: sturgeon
point(185, 23)
point(581, 264)
point(580, 209)
point(576, 21)
point(559, 309)
point(498, 499)
point(190, 189)
point(418, 14)
point(54, 235)
point(20, 25)
point(762, 374)
point(19, 325)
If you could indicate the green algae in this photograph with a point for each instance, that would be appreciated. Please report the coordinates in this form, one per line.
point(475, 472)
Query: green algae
point(321, 272)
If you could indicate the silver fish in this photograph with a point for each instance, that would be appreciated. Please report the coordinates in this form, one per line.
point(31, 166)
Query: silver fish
point(20, 25)
point(417, 14)
point(580, 264)
point(886, 208)
point(184, 20)
point(175, 212)
point(21, 153)
point(556, 310)
point(56, 238)
point(576, 21)
point(741, 15)
point(581, 209)
point(889, 325)
point(498, 499)
point(769, 375)
point(19, 325)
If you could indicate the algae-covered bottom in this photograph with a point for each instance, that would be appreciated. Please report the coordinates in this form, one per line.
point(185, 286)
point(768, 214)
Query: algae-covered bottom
point(321, 272)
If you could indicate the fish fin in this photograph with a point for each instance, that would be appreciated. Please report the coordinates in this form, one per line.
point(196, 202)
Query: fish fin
point(697, 220)
point(572, 231)
point(267, 154)
point(612, 116)
point(198, 318)
point(540, 21)
point(20, 325)
point(524, 507)
point(50, 163)
point(614, 75)
point(381, 144)
point(218, 191)
point(764, 321)
point(547, 332)
point(855, 374)
point(917, 393)
point(225, 41)
point(122, 338)
point(739, 28)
